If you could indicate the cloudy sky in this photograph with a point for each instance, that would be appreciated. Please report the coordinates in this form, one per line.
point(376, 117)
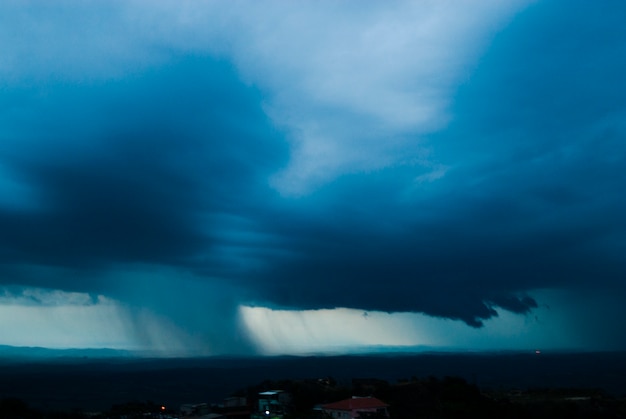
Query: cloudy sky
point(204, 177)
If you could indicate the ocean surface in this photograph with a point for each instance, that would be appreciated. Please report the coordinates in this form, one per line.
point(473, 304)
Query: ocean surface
point(91, 384)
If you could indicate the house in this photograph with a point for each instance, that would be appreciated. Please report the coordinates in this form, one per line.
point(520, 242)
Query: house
point(357, 407)
point(272, 404)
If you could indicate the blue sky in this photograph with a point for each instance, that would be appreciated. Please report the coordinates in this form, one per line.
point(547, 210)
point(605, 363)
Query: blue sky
point(234, 177)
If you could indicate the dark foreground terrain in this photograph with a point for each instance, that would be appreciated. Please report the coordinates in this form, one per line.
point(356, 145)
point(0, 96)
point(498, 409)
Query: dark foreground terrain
point(97, 384)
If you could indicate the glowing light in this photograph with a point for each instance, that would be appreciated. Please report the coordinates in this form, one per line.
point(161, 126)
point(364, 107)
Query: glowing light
point(311, 331)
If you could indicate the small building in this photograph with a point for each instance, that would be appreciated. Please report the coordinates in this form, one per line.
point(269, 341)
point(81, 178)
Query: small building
point(272, 404)
point(357, 407)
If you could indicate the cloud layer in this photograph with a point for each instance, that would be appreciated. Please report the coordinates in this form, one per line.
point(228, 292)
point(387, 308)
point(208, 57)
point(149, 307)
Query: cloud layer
point(445, 158)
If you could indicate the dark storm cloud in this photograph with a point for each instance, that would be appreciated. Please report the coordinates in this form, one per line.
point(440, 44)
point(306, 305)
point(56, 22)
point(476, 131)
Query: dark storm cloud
point(533, 197)
point(131, 171)
point(171, 167)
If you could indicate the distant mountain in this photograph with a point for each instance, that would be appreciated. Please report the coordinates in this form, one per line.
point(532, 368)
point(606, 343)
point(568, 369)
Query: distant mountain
point(8, 353)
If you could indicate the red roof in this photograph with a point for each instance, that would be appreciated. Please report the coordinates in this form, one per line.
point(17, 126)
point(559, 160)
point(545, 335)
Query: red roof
point(356, 403)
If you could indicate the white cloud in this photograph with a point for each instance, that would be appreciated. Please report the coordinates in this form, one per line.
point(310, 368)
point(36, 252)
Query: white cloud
point(353, 84)
point(356, 84)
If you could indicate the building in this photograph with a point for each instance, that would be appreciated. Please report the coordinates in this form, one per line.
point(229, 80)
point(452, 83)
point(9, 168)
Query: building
point(357, 407)
point(272, 405)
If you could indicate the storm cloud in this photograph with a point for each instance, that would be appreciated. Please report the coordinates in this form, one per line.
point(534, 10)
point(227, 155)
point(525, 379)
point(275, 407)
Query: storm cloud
point(407, 159)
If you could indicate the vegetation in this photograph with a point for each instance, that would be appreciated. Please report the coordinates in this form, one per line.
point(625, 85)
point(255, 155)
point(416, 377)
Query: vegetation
point(430, 397)
point(448, 397)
